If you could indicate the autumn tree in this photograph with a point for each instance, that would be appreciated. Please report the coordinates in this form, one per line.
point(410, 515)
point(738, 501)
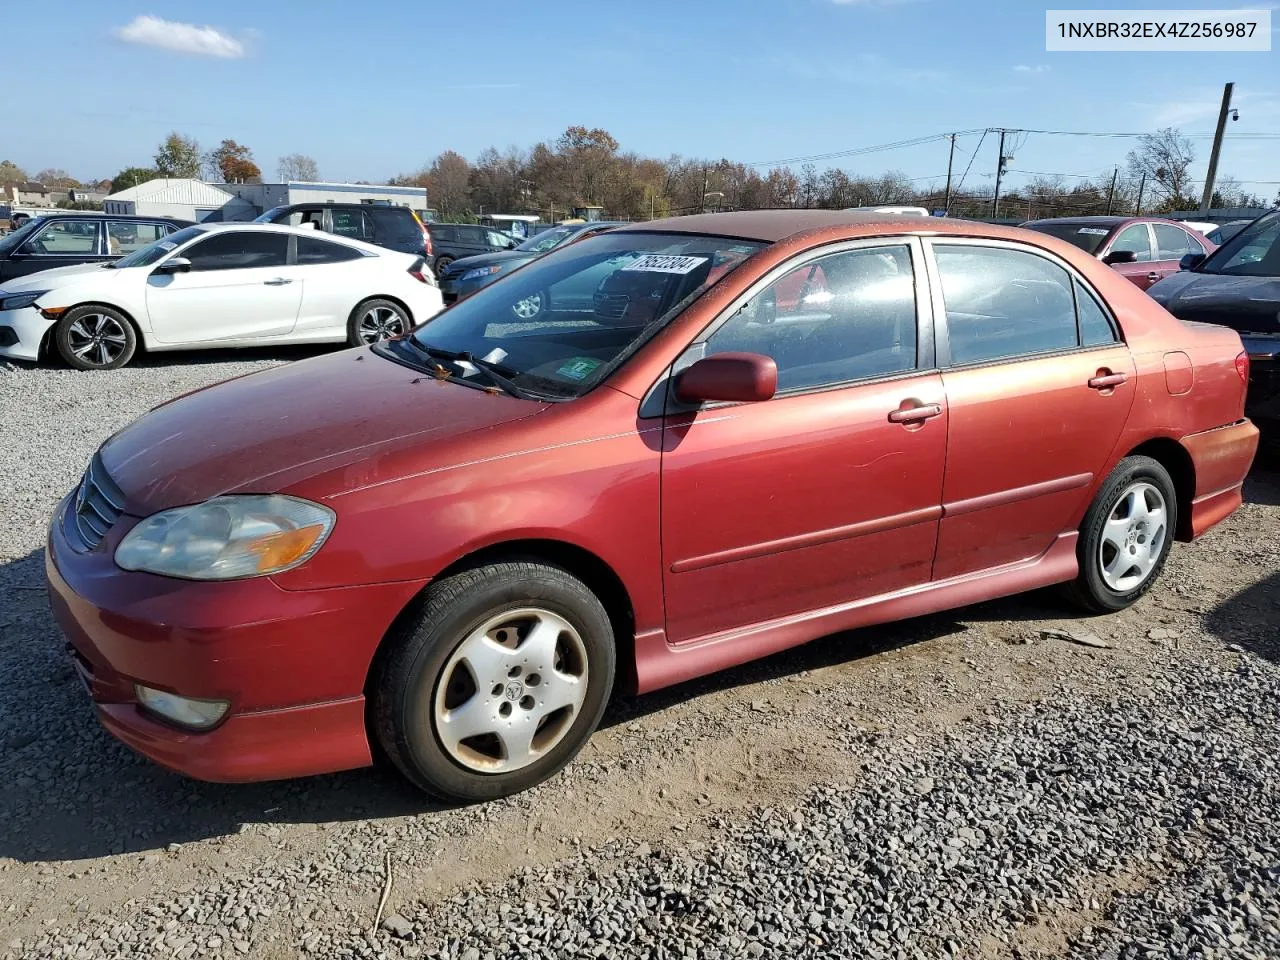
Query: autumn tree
point(131, 177)
point(1164, 158)
point(178, 156)
point(11, 173)
point(233, 163)
point(297, 166)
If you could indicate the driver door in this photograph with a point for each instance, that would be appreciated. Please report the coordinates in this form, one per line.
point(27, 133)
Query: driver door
point(61, 243)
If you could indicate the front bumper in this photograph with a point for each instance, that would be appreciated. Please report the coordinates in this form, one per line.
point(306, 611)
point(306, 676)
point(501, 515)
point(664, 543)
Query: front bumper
point(21, 332)
point(454, 289)
point(292, 663)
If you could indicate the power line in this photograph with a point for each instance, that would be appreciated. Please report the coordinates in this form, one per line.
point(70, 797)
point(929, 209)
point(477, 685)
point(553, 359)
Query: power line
point(960, 185)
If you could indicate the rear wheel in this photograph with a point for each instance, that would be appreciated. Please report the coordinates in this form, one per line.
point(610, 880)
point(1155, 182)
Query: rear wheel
point(1126, 536)
point(442, 264)
point(95, 338)
point(376, 320)
point(495, 681)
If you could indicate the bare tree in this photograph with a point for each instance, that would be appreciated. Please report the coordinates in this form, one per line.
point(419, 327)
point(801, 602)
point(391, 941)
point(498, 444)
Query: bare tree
point(297, 166)
point(1165, 159)
point(57, 178)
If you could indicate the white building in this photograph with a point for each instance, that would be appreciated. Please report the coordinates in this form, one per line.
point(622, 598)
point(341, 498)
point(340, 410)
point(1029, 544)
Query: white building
point(265, 196)
point(183, 199)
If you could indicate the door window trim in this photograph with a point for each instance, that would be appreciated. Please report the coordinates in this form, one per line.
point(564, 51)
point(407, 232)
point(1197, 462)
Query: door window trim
point(660, 400)
point(942, 338)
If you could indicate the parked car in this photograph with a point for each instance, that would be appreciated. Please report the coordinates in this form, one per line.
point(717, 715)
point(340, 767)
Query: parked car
point(396, 228)
point(464, 277)
point(1238, 286)
point(217, 285)
point(1223, 232)
point(1144, 249)
point(46, 243)
point(453, 241)
point(453, 544)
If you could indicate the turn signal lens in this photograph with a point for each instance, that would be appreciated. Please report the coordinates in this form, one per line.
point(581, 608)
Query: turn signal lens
point(183, 711)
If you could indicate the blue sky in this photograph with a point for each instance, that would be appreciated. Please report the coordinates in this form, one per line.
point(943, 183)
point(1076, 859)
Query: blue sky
point(380, 87)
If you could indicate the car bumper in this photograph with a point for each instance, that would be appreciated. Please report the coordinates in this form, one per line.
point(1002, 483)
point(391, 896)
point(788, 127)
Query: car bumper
point(292, 664)
point(21, 332)
point(454, 290)
point(1221, 458)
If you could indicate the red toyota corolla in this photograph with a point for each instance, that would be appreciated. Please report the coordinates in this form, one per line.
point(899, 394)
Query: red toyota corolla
point(452, 544)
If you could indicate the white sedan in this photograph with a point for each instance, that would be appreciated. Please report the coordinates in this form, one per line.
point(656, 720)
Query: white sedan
point(217, 285)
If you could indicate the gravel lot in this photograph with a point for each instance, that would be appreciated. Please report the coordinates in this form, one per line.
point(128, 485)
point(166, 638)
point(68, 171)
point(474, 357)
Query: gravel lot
point(964, 785)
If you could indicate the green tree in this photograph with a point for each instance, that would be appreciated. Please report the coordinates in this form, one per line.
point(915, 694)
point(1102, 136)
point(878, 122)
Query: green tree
point(131, 177)
point(10, 172)
point(178, 156)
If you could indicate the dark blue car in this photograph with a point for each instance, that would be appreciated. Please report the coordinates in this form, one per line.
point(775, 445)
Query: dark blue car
point(464, 277)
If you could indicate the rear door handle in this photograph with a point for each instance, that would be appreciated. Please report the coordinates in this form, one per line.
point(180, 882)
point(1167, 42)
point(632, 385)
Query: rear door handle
point(277, 282)
point(915, 414)
point(1107, 380)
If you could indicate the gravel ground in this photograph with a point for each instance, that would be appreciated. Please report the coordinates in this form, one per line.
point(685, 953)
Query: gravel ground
point(964, 785)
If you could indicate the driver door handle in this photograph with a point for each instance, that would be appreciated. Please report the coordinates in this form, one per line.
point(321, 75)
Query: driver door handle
point(1108, 380)
point(277, 282)
point(915, 414)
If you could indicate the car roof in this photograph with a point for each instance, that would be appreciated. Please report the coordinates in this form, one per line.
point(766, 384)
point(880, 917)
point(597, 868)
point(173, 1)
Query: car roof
point(94, 215)
point(1100, 221)
point(772, 226)
point(341, 205)
point(223, 226)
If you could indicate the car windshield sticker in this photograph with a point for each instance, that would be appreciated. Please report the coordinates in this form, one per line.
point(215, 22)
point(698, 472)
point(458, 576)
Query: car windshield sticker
point(167, 244)
point(1094, 231)
point(578, 368)
point(663, 263)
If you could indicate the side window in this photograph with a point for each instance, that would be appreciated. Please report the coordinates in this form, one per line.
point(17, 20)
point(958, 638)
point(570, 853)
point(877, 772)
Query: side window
point(125, 236)
point(474, 235)
point(396, 224)
point(1004, 303)
point(352, 223)
point(313, 250)
point(1134, 238)
point(847, 316)
point(1173, 242)
point(499, 240)
point(65, 238)
point(1095, 325)
point(239, 249)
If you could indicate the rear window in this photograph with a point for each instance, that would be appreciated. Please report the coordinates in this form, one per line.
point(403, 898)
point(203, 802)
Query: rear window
point(1087, 236)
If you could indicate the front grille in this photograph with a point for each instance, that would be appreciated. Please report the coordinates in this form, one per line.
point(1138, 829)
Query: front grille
point(97, 505)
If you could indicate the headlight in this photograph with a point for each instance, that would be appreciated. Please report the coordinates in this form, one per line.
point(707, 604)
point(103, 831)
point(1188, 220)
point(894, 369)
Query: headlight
point(16, 301)
point(227, 538)
point(478, 272)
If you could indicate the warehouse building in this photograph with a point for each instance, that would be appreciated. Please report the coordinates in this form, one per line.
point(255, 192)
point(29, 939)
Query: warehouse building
point(265, 196)
point(183, 199)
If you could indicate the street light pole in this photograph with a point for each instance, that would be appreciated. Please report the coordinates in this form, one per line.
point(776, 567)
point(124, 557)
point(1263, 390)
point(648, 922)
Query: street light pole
point(1207, 199)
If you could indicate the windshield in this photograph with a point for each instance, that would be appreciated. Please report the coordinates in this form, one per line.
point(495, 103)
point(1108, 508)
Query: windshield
point(11, 241)
point(270, 215)
point(158, 250)
point(1253, 252)
point(1083, 235)
point(560, 325)
point(544, 241)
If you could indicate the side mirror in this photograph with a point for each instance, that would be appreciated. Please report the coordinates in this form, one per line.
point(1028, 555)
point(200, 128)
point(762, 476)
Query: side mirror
point(1120, 256)
point(1190, 261)
point(729, 377)
point(174, 265)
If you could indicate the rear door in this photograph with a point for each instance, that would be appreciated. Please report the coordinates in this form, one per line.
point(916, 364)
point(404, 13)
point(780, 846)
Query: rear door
point(240, 285)
point(824, 494)
point(59, 243)
point(1172, 243)
point(1039, 385)
point(330, 289)
point(1136, 238)
point(126, 236)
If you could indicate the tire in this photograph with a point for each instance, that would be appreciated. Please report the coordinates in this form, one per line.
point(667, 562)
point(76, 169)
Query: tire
point(531, 307)
point(498, 639)
point(95, 337)
point(1122, 553)
point(373, 321)
point(442, 264)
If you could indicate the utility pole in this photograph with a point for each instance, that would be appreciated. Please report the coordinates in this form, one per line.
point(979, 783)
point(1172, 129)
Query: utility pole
point(702, 207)
point(995, 201)
point(950, 157)
point(1142, 185)
point(1111, 197)
point(1207, 200)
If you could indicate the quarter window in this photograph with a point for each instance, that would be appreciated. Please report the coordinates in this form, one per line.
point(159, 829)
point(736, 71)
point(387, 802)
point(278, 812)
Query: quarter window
point(1095, 326)
point(847, 316)
point(1134, 238)
point(238, 250)
point(1004, 303)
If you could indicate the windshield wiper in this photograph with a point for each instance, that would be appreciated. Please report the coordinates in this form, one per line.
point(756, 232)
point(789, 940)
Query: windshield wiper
point(498, 375)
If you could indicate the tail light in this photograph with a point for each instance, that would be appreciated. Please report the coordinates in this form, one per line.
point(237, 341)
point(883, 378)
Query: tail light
point(1242, 366)
point(426, 235)
point(422, 273)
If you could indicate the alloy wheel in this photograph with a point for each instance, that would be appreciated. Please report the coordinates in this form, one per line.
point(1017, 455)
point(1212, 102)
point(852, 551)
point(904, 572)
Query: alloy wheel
point(97, 339)
point(380, 323)
point(1133, 537)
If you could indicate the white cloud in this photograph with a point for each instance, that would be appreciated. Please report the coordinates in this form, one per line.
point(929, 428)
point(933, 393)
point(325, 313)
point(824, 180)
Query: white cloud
point(181, 38)
point(1024, 68)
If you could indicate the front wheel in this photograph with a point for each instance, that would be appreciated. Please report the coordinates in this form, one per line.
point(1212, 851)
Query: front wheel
point(95, 338)
point(376, 320)
point(1126, 536)
point(494, 681)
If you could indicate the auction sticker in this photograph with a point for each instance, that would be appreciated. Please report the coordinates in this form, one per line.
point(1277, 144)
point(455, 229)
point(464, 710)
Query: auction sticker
point(662, 263)
point(578, 368)
point(1094, 231)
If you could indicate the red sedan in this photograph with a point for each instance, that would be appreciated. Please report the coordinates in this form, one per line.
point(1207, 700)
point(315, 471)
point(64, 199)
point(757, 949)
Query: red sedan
point(1144, 249)
point(456, 544)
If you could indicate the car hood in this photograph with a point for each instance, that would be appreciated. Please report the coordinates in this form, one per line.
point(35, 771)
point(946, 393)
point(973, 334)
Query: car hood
point(1246, 304)
point(507, 257)
point(57, 277)
point(266, 431)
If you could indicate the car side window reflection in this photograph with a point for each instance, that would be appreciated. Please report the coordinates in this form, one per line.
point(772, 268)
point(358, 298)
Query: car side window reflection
point(1134, 238)
point(844, 317)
